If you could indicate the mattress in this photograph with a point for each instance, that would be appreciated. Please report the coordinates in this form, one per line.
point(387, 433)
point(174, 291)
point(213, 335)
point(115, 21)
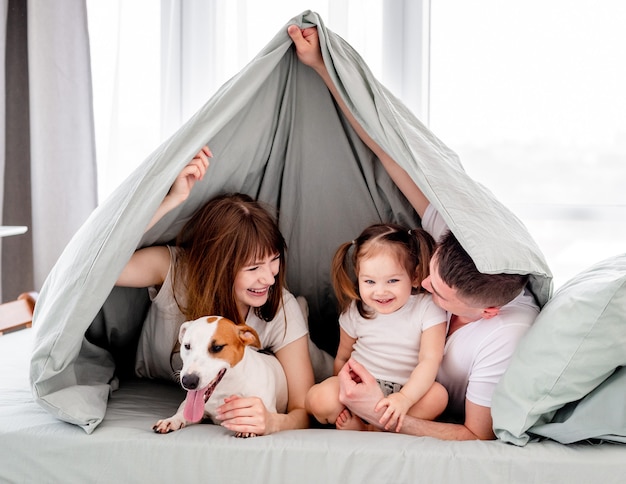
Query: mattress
point(37, 447)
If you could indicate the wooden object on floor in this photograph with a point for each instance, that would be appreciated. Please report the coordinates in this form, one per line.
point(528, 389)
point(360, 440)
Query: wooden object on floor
point(17, 314)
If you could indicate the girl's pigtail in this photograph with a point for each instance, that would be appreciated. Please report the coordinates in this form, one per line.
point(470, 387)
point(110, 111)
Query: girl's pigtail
point(425, 250)
point(343, 285)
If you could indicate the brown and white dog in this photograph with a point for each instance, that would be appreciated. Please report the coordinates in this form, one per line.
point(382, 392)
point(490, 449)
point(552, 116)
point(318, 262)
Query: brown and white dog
point(219, 361)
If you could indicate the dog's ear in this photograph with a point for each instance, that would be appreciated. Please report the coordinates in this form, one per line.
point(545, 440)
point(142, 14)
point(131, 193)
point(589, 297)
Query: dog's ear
point(182, 330)
point(249, 336)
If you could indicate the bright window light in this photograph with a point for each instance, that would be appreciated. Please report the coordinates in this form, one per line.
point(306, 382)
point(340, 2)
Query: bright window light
point(530, 95)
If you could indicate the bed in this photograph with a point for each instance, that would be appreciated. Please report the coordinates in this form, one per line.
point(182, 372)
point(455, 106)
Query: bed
point(72, 411)
point(37, 447)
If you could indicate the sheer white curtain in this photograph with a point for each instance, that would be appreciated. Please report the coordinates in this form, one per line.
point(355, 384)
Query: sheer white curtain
point(205, 43)
point(155, 63)
point(48, 156)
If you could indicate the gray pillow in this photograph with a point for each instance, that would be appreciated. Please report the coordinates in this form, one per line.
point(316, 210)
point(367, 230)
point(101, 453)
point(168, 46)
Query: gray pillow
point(601, 415)
point(576, 343)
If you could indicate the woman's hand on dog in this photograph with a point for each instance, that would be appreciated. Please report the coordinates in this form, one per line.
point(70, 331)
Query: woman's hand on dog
point(245, 415)
point(193, 172)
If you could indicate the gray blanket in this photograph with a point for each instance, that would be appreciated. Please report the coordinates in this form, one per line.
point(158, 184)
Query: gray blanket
point(277, 135)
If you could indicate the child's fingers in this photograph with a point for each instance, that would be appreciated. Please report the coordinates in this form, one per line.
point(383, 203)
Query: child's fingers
point(391, 417)
point(386, 419)
point(400, 422)
point(383, 402)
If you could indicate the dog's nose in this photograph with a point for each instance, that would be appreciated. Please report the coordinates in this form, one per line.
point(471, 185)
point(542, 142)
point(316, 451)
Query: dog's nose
point(190, 381)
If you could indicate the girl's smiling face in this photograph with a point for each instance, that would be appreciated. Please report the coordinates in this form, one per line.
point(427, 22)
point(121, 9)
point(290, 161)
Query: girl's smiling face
point(384, 284)
point(253, 282)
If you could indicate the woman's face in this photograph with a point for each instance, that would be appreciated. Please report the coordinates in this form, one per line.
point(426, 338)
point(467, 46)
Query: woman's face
point(252, 283)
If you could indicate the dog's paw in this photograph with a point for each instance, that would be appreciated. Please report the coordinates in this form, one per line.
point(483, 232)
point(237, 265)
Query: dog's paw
point(168, 425)
point(245, 435)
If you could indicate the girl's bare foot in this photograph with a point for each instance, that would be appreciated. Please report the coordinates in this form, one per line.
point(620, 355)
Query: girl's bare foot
point(347, 421)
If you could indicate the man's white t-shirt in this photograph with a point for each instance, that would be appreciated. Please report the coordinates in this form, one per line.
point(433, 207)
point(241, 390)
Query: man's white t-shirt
point(477, 354)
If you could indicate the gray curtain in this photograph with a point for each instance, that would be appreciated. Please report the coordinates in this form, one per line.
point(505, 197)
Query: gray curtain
point(47, 160)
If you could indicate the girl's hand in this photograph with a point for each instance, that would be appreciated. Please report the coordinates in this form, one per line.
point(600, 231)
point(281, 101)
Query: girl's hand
point(397, 406)
point(244, 415)
point(193, 172)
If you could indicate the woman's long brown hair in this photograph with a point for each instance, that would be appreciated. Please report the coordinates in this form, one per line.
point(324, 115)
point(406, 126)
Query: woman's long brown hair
point(228, 233)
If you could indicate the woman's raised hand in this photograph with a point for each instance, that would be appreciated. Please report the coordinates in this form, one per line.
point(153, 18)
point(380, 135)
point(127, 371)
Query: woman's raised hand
point(181, 188)
point(193, 172)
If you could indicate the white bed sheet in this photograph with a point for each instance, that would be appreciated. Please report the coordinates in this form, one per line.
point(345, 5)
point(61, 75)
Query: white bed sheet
point(36, 447)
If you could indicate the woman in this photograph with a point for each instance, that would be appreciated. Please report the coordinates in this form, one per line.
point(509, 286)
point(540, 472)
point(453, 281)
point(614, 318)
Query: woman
point(228, 261)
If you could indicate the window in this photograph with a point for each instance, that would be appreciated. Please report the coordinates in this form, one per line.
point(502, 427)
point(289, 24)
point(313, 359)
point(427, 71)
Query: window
point(530, 95)
point(124, 37)
point(155, 63)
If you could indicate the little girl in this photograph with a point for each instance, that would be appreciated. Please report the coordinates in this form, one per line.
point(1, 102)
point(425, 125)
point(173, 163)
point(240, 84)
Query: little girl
point(388, 324)
point(228, 261)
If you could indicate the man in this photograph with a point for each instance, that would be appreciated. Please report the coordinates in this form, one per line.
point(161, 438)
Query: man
point(487, 314)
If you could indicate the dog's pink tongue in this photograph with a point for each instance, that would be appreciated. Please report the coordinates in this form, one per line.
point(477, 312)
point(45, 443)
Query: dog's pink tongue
point(194, 405)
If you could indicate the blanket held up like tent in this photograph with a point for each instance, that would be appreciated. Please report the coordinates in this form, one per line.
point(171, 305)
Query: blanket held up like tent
point(277, 135)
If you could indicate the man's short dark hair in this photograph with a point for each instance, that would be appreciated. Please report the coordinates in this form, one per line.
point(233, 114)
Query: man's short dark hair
point(457, 270)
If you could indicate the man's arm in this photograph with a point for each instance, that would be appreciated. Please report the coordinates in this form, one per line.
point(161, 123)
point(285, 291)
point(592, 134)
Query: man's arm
point(359, 392)
point(477, 426)
point(308, 50)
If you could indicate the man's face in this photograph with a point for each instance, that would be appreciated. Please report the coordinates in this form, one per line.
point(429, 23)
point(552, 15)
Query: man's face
point(446, 297)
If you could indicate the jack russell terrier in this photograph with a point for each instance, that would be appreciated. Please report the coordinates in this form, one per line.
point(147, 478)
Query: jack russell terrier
point(218, 362)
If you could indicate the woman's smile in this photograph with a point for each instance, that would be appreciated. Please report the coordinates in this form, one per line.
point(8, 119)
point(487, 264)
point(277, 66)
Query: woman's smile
point(253, 282)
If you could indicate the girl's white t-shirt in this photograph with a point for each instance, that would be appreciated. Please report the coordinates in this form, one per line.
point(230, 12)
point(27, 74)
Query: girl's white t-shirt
point(388, 344)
